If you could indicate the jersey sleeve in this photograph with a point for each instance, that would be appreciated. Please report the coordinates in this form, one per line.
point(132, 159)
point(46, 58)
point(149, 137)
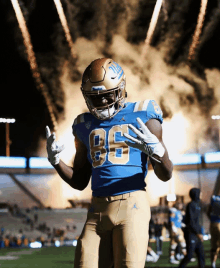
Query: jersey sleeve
point(172, 213)
point(151, 108)
point(75, 127)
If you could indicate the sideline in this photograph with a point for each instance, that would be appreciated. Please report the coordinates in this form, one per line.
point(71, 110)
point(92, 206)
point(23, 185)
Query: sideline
point(12, 255)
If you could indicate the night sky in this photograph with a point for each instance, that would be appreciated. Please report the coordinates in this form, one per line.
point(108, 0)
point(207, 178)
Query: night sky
point(99, 20)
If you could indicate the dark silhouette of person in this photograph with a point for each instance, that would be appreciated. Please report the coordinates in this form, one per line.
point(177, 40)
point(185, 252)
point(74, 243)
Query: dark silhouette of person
point(193, 233)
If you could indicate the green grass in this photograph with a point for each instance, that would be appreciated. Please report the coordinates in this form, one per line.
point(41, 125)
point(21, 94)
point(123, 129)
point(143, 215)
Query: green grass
point(44, 258)
point(164, 259)
point(63, 257)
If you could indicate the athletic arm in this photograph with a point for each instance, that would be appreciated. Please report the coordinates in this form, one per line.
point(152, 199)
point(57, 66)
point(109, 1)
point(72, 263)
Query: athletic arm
point(79, 175)
point(164, 169)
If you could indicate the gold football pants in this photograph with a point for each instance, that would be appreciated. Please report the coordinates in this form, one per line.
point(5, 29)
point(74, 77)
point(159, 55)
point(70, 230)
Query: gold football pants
point(115, 232)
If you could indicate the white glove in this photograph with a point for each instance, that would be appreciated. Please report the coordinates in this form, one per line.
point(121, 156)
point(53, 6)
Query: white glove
point(145, 141)
point(53, 147)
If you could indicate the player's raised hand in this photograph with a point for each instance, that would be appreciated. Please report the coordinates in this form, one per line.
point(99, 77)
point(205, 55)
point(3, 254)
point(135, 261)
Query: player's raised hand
point(145, 141)
point(53, 147)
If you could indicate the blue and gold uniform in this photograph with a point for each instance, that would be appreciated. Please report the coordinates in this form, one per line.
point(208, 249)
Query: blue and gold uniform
point(176, 217)
point(176, 233)
point(119, 215)
point(116, 230)
point(116, 167)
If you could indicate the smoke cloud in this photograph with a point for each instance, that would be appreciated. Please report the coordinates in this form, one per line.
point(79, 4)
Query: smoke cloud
point(188, 92)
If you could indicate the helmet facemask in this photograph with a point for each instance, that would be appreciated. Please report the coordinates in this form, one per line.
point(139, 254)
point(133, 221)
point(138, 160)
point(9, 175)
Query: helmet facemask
point(103, 87)
point(115, 100)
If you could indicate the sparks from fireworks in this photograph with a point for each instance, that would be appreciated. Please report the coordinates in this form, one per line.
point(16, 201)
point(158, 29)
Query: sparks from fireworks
point(151, 28)
point(65, 27)
point(32, 60)
point(198, 29)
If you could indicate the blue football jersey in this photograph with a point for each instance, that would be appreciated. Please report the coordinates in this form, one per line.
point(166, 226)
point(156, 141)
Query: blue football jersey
point(116, 167)
point(176, 217)
point(215, 208)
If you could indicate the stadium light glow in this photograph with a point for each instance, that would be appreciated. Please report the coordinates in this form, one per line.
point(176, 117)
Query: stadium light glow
point(206, 237)
point(35, 244)
point(74, 242)
point(57, 243)
point(39, 162)
point(7, 120)
point(212, 157)
point(187, 159)
point(171, 197)
point(12, 162)
point(43, 163)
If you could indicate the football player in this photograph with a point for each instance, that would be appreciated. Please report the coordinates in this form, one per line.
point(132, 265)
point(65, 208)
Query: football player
point(114, 141)
point(176, 233)
point(214, 216)
point(151, 255)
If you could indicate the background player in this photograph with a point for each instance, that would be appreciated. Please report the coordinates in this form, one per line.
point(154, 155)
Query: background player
point(176, 233)
point(116, 229)
point(151, 255)
point(214, 216)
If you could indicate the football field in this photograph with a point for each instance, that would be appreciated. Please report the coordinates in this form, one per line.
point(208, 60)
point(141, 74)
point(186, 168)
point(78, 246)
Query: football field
point(64, 257)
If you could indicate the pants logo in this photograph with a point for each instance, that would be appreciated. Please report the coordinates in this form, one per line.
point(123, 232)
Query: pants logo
point(135, 206)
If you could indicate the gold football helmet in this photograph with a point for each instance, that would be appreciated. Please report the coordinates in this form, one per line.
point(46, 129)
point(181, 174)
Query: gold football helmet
point(103, 87)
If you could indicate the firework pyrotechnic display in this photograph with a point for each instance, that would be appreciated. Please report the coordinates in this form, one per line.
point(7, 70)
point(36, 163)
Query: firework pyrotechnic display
point(163, 58)
point(198, 29)
point(109, 106)
point(151, 40)
point(32, 60)
point(152, 26)
point(65, 26)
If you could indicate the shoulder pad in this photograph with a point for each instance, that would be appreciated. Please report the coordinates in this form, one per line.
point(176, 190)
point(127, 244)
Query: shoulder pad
point(151, 108)
point(79, 119)
point(141, 106)
point(148, 104)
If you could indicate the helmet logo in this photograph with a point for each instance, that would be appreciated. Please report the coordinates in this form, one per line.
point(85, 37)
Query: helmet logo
point(104, 76)
point(98, 88)
point(116, 69)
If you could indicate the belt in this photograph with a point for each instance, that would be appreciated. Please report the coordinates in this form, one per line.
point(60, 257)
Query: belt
point(115, 197)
